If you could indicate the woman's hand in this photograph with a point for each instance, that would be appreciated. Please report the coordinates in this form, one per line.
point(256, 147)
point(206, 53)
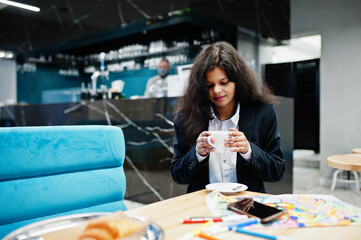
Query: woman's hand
point(237, 142)
point(203, 147)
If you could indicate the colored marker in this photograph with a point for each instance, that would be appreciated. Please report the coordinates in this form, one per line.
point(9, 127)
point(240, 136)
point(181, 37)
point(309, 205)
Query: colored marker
point(196, 232)
point(225, 228)
point(243, 224)
point(208, 237)
point(214, 219)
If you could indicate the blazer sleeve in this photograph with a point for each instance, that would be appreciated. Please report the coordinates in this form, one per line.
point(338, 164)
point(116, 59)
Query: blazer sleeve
point(185, 166)
point(267, 158)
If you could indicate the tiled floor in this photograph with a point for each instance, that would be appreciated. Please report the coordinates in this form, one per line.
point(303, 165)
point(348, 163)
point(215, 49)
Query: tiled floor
point(306, 180)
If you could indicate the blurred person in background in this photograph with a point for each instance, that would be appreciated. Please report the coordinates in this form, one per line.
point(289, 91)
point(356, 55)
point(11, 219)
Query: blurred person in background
point(157, 86)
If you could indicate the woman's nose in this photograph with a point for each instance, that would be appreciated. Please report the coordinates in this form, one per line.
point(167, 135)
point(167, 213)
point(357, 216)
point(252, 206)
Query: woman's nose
point(217, 89)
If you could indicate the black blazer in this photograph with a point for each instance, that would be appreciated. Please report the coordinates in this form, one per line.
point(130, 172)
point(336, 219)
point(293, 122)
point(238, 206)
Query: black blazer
point(259, 124)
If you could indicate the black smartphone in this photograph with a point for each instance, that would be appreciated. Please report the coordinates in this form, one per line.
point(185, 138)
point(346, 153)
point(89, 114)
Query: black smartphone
point(255, 209)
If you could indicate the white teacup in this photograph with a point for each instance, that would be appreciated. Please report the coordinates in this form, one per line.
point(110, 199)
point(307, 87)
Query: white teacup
point(219, 142)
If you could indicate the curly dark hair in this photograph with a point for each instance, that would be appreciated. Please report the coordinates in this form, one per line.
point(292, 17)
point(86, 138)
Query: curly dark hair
point(193, 109)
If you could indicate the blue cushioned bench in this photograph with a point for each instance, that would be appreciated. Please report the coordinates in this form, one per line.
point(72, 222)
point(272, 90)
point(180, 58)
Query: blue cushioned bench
point(59, 170)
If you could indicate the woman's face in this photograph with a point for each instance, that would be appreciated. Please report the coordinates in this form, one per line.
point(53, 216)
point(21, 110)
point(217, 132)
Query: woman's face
point(221, 89)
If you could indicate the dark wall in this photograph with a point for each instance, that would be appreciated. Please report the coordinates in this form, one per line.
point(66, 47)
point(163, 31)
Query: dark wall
point(285, 115)
point(300, 81)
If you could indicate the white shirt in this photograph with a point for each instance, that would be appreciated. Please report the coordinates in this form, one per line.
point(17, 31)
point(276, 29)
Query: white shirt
point(222, 166)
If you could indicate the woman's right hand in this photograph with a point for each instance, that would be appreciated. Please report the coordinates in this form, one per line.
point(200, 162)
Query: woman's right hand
point(203, 147)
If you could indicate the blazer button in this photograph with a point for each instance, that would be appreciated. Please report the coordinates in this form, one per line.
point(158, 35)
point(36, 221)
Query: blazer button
point(190, 166)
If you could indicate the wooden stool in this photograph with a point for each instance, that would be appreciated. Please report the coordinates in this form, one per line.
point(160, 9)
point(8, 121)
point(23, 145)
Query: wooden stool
point(348, 162)
point(356, 150)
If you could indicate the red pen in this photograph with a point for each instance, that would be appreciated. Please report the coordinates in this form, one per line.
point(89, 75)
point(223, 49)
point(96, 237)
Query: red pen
point(201, 220)
point(213, 219)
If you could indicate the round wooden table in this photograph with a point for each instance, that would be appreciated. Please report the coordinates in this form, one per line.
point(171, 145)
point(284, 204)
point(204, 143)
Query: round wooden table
point(348, 162)
point(356, 150)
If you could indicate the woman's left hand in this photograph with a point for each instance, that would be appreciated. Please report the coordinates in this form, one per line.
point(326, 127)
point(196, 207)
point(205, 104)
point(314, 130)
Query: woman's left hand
point(237, 142)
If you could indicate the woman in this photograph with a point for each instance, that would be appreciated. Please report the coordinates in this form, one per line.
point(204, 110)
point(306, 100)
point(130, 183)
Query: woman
point(224, 94)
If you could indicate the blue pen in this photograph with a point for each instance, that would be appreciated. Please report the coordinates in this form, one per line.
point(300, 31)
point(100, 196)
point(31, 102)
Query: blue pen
point(225, 228)
point(256, 234)
point(243, 224)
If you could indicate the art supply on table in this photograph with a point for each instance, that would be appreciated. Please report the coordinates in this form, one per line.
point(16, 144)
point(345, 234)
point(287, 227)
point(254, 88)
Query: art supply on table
point(246, 223)
point(308, 210)
point(212, 228)
point(220, 227)
point(196, 232)
point(231, 218)
point(206, 236)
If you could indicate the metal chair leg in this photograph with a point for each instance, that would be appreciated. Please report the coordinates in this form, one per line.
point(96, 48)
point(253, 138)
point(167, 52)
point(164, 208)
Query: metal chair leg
point(334, 179)
point(357, 181)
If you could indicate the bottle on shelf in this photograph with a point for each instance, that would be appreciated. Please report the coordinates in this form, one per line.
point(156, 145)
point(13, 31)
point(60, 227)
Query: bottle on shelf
point(88, 93)
point(83, 92)
point(104, 91)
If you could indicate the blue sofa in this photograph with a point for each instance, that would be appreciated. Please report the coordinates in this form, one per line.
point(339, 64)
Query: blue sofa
point(59, 170)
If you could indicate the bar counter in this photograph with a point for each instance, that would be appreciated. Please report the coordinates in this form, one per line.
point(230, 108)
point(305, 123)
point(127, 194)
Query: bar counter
point(148, 129)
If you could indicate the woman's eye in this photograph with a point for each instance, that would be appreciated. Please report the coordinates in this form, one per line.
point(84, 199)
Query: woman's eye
point(209, 86)
point(224, 83)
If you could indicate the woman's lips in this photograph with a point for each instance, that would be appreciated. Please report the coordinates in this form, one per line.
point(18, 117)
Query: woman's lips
point(218, 99)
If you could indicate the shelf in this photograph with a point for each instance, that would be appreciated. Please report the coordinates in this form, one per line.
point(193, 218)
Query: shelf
point(192, 28)
point(187, 26)
point(169, 51)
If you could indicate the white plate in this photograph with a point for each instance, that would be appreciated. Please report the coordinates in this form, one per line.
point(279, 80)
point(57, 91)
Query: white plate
point(227, 187)
point(34, 231)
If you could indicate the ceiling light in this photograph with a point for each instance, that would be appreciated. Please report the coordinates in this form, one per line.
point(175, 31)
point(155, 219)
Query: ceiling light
point(6, 54)
point(20, 5)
